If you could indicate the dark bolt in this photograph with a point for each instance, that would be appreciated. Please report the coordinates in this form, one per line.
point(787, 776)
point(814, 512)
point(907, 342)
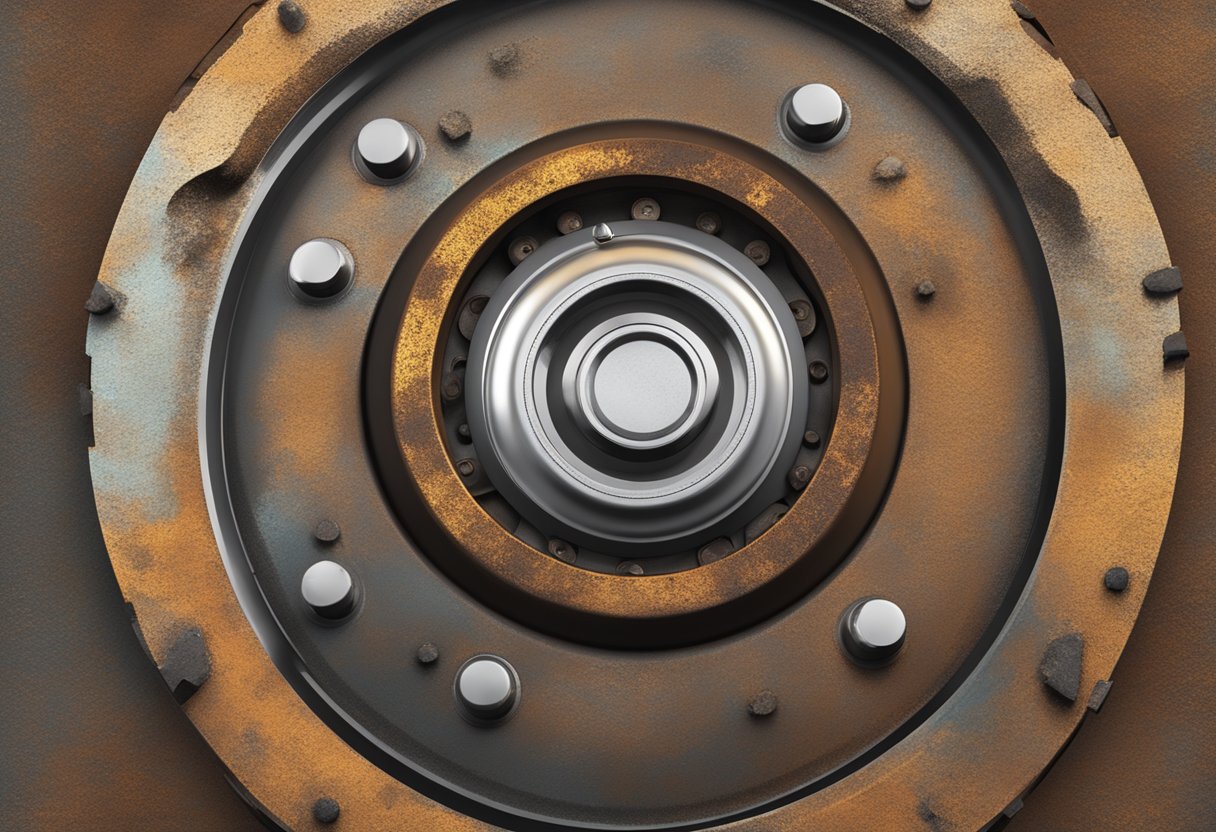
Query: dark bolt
point(520, 249)
point(758, 252)
point(1116, 579)
point(470, 313)
point(452, 387)
point(291, 16)
point(463, 432)
point(1163, 281)
point(926, 289)
point(427, 653)
point(918, 5)
point(562, 550)
point(804, 317)
point(504, 60)
point(818, 371)
point(645, 209)
point(455, 126)
point(763, 704)
point(709, 222)
point(890, 169)
point(799, 477)
point(466, 468)
point(715, 550)
point(326, 811)
point(101, 299)
point(327, 531)
point(569, 222)
point(1174, 347)
point(630, 567)
point(811, 439)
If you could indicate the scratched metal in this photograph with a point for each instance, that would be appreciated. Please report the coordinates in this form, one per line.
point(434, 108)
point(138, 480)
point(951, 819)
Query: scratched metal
point(986, 743)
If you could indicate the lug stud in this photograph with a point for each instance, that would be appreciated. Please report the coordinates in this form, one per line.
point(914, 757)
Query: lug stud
point(569, 222)
point(329, 589)
point(487, 689)
point(815, 113)
point(873, 630)
point(387, 150)
point(759, 252)
point(321, 268)
point(520, 248)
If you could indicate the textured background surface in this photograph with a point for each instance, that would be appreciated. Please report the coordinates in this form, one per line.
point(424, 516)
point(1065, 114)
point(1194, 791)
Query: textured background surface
point(90, 737)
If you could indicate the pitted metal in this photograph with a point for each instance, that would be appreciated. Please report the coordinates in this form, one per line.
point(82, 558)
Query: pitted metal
point(532, 379)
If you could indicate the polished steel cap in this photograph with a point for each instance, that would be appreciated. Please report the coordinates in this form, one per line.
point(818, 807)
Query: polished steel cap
point(387, 148)
point(816, 113)
point(648, 393)
point(321, 268)
point(487, 688)
point(328, 589)
point(873, 630)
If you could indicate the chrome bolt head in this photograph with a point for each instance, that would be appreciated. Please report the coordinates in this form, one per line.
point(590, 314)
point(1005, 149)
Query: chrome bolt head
point(487, 689)
point(816, 114)
point(321, 269)
point(387, 150)
point(602, 234)
point(873, 630)
point(329, 590)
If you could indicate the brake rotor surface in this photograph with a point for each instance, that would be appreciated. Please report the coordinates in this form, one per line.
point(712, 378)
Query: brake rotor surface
point(696, 425)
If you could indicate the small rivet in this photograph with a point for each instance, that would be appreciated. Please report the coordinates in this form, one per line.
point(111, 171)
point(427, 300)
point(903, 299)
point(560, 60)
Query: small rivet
point(101, 299)
point(427, 653)
point(645, 209)
point(520, 248)
point(1174, 348)
point(816, 113)
point(1116, 579)
point(562, 550)
point(463, 433)
point(455, 126)
point(758, 252)
point(630, 567)
point(569, 222)
point(890, 169)
point(763, 704)
point(602, 234)
point(466, 468)
point(326, 811)
point(873, 630)
point(926, 289)
point(452, 387)
point(818, 371)
point(387, 149)
point(487, 689)
point(798, 477)
point(321, 269)
point(811, 439)
point(291, 16)
point(328, 589)
point(709, 222)
point(326, 531)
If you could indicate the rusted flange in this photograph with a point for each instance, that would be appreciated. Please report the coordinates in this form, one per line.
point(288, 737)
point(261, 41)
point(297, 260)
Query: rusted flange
point(983, 744)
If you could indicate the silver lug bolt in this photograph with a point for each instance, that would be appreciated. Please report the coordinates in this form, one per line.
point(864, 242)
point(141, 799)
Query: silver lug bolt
point(321, 268)
point(487, 689)
point(816, 113)
point(387, 149)
point(873, 630)
point(329, 589)
point(645, 209)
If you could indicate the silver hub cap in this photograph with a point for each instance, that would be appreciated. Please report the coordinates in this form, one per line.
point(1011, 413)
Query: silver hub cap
point(648, 390)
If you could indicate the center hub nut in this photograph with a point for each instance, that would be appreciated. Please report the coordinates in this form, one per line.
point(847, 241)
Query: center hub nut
point(638, 391)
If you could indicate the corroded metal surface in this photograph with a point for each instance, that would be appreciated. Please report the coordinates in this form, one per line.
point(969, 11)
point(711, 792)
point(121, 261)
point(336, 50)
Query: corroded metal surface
point(1099, 237)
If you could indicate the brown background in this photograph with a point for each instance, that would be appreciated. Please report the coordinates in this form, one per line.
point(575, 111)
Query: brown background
point(90, 737)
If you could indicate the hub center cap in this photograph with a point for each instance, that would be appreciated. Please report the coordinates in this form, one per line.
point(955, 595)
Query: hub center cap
point(645, 391)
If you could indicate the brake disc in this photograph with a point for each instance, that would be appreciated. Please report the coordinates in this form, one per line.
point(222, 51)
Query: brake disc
point(774, 429)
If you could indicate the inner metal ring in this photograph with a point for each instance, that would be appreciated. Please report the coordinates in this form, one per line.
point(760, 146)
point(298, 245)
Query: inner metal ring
point(657, 294)
point(641, 386)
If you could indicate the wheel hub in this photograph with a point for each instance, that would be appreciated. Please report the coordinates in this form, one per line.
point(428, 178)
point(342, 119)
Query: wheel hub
point(637, 395)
